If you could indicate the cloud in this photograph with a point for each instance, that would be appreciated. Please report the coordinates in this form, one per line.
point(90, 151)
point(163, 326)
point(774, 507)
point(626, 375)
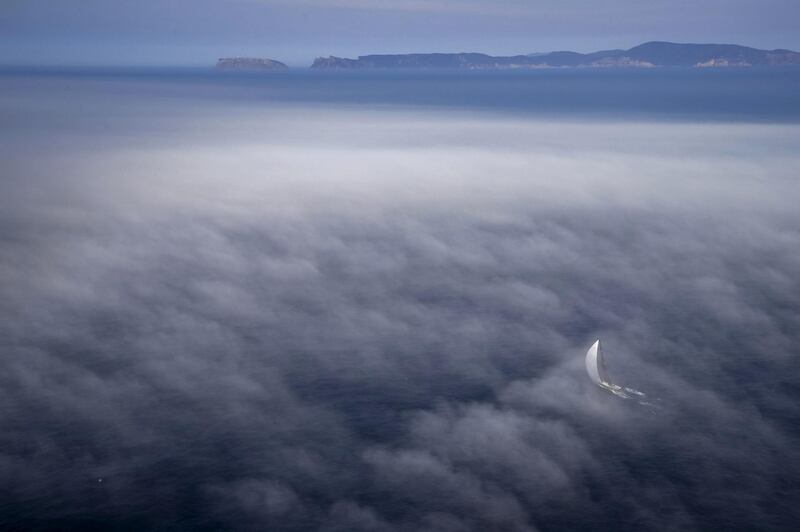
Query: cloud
point(374, 319)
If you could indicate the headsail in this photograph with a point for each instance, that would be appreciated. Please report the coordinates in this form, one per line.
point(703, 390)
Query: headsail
point(595, 365)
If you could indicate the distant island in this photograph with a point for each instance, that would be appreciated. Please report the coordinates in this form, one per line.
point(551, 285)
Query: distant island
point(250, 64)
point(648, 55)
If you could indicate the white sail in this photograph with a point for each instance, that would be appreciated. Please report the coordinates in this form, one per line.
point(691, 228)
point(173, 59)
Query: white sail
point(595, 365)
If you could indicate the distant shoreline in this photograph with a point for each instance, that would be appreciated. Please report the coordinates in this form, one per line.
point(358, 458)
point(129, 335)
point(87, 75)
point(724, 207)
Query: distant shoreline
point(648, 55)
point(651, 55)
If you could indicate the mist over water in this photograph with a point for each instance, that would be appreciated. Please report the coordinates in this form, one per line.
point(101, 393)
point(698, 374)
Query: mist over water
point(362, 303)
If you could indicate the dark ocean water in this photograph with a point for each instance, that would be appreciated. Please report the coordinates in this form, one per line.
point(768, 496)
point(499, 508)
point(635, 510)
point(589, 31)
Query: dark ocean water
point(362, 301)
point(731, 94)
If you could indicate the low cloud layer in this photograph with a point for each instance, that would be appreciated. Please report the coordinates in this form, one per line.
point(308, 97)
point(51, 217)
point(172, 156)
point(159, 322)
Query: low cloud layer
point(365, 319)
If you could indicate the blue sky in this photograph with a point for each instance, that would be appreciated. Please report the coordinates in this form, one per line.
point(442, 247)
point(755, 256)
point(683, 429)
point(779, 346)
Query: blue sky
point(195, 32)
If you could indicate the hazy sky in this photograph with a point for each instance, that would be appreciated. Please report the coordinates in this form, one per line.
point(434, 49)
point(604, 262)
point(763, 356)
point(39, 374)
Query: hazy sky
point(198, 31)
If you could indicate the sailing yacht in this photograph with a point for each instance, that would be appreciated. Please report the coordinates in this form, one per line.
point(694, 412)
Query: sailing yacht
point(596, 366)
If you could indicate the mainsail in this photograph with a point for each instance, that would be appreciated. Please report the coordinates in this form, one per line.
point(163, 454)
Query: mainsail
point(595, 365)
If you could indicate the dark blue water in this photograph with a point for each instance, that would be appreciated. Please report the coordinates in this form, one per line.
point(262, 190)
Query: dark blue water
point(753, 94)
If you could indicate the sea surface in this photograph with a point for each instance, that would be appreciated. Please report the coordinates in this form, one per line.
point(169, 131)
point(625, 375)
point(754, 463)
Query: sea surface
point(362, 301)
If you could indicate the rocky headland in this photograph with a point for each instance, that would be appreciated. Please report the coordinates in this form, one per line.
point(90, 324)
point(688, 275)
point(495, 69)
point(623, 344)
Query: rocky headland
point(250, 64)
